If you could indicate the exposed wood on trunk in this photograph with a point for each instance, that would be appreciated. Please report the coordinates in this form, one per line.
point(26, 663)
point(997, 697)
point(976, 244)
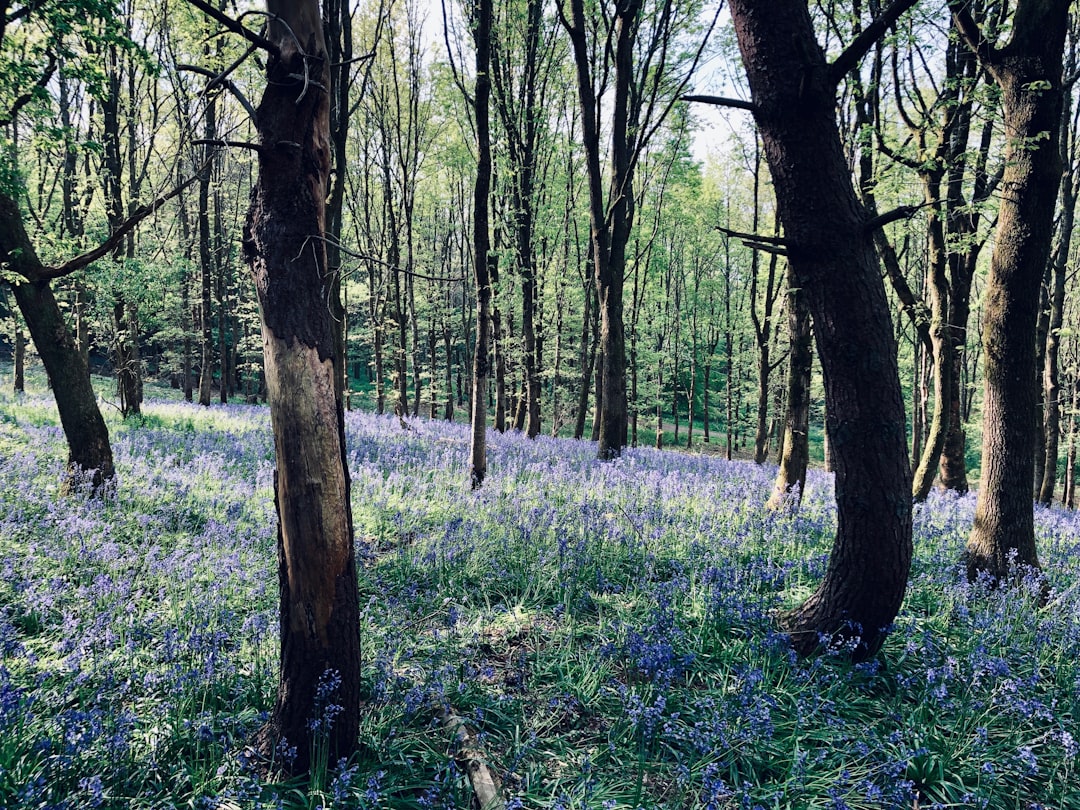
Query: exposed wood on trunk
point(318, 701)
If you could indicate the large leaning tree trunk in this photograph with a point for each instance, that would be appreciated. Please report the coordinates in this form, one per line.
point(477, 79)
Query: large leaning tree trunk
point(1028, 70)
point(831, 253)
point(89, 451)
point(318, 701)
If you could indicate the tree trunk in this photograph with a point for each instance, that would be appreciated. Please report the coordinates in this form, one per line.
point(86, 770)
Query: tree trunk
point(206, 263)
point(1068, 494)
point(707, 381)
point(318, 703)
point(448, 410)
point(1059, 271)
point(20, 360)
point(499, 342)
point(791, 475)
point(598, 388)
point(220, 263)
point(1028, 70)
point(832, 258)
point(1042, 329)
point(587, 361)
point(917, 401)
point(337, 25)
point(484, 260)
point(84, 428)
point(941, 344)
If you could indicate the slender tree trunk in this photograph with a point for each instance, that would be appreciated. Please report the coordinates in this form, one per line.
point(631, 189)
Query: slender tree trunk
point(917, 409)
point(318, 702)
point(220, 251)
point(1028, 70)
point(659, 443)
point(20, 360)
point(448, 410)
point(1068, 494)
point(611, 223)
point(941, 344)
point(691, 395)
point(1042, 329)
point(484, 260)
point(791, 476)
point(127, 375)
point(1059, 270)
point(589, 341)
point(953, 470)
point(598, 387)
point(832, 259)
point(707, 383)
point(729, 389)
point(337, 25)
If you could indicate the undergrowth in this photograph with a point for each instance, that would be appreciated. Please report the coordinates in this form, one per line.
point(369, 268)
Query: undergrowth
point(606, 628)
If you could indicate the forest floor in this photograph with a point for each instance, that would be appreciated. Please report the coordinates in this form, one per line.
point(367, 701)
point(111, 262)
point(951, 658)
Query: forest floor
point(606, 629)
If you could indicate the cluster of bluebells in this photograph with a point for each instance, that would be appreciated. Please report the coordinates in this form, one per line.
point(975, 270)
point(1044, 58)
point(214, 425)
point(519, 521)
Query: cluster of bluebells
point(606, 629)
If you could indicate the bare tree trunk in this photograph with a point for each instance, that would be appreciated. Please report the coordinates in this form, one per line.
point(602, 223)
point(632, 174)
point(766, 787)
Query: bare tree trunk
point(1028, 70)
point(20, 360)
point(791, 475)
point(318, 702)
point(598, 387)
point(448, 410)
point(1042, 329)
point(1059, 270)
point(587, 361)
point(1068, 494)
point(484, 259)
point(206, 263)
point(918, 402)
point(220, 251)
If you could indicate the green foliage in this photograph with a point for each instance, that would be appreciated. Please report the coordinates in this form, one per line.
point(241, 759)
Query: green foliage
point(608, 629)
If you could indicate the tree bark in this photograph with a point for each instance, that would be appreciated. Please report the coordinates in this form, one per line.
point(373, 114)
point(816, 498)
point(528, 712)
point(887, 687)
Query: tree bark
point(483, 257)
point(791, 475)
point(1068, 494)
point(19, 383)
point(125, 353)
point(587, 360)
point(206, 264)
point(832, 258)
point(1028, 70)
point(89, 451)
point(318, 703)
point(1051, 371)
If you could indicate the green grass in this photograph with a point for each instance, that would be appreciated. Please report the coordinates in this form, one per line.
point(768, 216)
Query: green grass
point(606, 629)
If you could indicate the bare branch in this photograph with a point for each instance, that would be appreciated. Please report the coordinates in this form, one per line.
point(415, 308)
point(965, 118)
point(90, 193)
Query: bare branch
point(128, 225)
point(254, 147)
point(900, 212)
point(971, 33)
point(758, 238)
point(236, 27)
point(847, 61)
point(720, 101)
point(220, 79)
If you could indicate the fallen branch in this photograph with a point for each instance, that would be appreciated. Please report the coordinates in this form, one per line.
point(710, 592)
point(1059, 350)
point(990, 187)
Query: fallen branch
point(484, 784)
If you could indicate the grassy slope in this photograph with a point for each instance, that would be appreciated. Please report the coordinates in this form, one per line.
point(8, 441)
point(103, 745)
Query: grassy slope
point(606, 628)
